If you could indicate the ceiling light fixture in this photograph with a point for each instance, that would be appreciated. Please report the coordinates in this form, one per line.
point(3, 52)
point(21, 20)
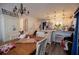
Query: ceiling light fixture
point(22, 10)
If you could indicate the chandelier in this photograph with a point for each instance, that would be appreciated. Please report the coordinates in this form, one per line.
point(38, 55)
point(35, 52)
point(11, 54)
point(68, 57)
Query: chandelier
point(20, 11)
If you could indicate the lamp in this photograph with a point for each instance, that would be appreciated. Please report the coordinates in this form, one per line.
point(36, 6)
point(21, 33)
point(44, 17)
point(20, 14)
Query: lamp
point(22, 10)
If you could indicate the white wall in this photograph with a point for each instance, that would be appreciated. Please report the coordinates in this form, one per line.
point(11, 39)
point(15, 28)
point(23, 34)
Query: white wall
point(33, 24)
point(0, 29)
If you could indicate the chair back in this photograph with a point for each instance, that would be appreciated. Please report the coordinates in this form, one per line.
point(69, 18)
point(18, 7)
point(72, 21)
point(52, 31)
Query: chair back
point(41, 47)
point(49, 40)
point(58, 38)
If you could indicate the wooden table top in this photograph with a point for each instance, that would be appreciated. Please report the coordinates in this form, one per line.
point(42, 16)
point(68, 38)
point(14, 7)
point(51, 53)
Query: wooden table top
point(23, 48)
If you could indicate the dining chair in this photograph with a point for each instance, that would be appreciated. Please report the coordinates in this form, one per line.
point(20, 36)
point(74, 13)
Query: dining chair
point(49, 40)
point(58, 38)
point(41, 47)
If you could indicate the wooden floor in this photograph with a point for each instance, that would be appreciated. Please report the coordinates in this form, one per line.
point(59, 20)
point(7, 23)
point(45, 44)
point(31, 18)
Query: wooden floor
point(55, 49)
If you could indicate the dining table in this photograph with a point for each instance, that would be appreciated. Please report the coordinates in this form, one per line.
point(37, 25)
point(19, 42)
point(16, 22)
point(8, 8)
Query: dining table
point(23, 46)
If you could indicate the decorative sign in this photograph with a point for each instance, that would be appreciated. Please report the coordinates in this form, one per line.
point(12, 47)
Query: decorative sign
point(4, 11)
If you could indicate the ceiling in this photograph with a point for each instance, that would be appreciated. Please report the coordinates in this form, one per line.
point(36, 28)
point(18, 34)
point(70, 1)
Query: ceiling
point(43, 10)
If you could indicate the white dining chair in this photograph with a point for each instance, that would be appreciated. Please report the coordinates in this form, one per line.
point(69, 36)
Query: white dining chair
point(49, 40)
point(41, 47)
point(58, 38)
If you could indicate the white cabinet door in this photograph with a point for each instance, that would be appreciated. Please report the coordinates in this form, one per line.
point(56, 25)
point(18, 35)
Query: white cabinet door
point(11, 27)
